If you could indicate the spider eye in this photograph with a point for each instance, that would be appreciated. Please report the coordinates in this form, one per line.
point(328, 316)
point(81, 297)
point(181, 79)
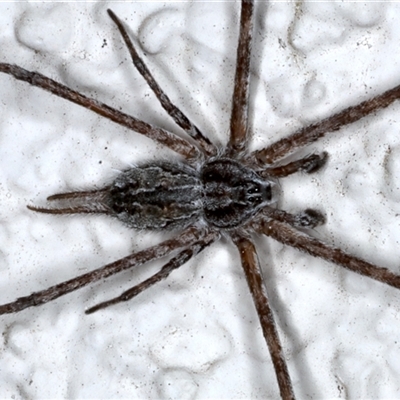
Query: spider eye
point(209, 176)
point(254, 190)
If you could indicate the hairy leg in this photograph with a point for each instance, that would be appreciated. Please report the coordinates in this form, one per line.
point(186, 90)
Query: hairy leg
point(176, 114)
point(308, 164)
point(176, 262)
point(313, 132)
point(187, 238)
point(254, 278)
point(159, 135)
point(307, 218)
point(286, 234)
point(240, 99)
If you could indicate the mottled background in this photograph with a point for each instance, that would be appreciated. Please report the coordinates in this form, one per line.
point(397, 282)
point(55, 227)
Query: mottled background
point(197, 334)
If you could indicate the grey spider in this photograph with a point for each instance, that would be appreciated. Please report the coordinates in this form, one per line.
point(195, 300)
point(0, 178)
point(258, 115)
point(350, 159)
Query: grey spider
point(276, 224)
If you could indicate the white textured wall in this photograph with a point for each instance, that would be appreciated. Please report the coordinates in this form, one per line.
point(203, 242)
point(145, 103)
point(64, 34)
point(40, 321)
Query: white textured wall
point(197, 335)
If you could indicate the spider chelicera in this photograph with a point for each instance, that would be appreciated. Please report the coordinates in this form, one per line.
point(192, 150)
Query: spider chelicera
point(214, 177)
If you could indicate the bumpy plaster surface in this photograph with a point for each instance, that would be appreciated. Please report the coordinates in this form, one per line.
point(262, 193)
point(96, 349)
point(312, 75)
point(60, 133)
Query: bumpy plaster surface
point(197, 335)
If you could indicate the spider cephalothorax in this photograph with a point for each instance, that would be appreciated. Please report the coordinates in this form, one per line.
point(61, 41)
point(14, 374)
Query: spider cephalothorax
point(206, 195)
point(233, 193)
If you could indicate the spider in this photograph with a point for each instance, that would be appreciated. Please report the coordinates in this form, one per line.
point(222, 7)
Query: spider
point(215, 168)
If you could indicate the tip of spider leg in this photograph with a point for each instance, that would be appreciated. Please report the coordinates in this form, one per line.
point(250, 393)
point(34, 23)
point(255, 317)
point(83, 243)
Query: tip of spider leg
point(95, 308)
point(315, 162)
point(90, 310)
point(111, 13)
point(309, 218)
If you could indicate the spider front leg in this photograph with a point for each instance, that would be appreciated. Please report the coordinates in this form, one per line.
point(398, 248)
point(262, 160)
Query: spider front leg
point(313, 132)
point(254, 278)
point(308, 164)
point(308, 218)
point(288, 235)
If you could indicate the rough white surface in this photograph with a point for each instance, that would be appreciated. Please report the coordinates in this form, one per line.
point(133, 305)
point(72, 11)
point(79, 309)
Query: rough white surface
point(197, 334)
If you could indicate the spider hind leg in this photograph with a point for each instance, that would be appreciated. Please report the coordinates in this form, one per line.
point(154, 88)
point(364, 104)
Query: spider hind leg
point(182, 258)
point(189, 237)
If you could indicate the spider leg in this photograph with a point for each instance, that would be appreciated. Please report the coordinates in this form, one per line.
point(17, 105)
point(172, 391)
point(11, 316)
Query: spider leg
point(240, 99)
point(187, 238)
point(308, 164)
point(313, 132)
point(307, 218)
point(176, 262)
point(285, 234)
point(176, 114)
point(174, 142)
point(254, 278)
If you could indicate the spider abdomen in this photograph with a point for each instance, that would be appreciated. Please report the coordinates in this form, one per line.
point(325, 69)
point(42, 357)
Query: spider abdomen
point(157, 196)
